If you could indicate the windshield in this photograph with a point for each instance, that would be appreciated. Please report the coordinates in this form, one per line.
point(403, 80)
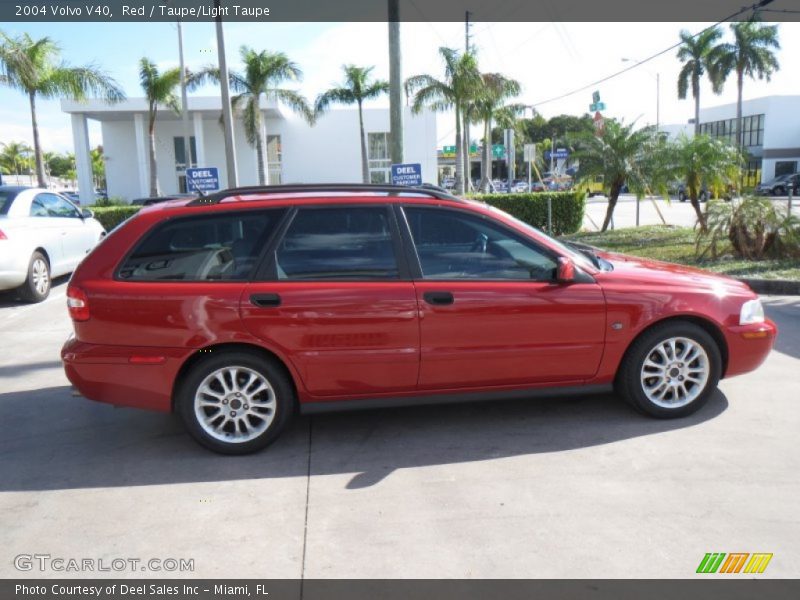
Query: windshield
point(579, 258)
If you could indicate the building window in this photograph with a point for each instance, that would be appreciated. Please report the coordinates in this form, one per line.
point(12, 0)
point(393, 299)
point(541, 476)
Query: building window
point(378, 159)
point(785, 167)
point(752, 127)
point(274, 159)
point(180, 152)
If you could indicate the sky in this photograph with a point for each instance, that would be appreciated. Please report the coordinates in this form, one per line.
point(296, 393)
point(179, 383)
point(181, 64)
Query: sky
point(548, 59)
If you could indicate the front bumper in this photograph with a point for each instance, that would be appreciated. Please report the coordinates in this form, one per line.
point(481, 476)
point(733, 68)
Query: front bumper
point(749, 346)
point(141, 377)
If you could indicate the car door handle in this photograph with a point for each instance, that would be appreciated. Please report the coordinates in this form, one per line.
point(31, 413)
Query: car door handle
point(438, 298)
point(265, 300)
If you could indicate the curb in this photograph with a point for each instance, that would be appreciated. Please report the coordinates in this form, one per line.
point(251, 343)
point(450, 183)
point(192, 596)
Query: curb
point(780, 287)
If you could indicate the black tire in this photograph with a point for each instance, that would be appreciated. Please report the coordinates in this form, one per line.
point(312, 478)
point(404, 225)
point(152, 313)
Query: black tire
point(31, 290)
point(682, 196)
point(703, 196)
point(779, 191)
point(281, 412)
point(629, 382)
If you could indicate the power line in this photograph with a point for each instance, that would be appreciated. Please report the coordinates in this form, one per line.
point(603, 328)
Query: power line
point(755, 6)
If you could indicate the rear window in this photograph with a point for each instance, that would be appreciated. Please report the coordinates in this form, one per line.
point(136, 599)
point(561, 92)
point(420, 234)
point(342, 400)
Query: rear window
point(222, 247)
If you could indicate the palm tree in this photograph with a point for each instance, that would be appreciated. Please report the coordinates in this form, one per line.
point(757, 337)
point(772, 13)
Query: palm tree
point(489, 106)
point(460, 83)
point(623, 156)
point(34, 68)
point(702, 161)
point(697, 53)
point(356, 88)
point(263, 72)
point(751, 54)
point(14, 157)
point(160, 90)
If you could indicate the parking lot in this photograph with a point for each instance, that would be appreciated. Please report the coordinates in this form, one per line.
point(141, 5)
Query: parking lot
point(570, 487)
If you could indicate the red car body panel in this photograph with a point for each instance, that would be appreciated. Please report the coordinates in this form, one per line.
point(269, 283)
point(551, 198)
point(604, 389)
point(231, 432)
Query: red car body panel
point(371, 340)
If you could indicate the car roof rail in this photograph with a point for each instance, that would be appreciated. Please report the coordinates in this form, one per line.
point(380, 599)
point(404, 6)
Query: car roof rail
point(425, 189)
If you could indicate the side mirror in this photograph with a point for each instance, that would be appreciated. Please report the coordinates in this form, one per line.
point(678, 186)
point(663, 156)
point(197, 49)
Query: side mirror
point(86, 214)
point(566, 270)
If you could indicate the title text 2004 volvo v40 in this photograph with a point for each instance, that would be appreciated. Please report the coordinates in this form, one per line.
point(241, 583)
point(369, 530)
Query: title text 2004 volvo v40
point(237, 309)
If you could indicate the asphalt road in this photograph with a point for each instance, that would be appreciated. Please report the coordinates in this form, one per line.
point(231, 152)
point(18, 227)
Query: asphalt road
point(673, 212)
point(575, 487)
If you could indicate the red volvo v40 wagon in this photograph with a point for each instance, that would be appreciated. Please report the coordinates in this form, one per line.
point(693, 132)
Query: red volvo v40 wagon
point(237, 309)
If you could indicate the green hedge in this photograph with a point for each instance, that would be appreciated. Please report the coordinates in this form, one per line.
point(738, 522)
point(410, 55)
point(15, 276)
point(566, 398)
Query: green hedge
point(568, 208)
point(111, 216)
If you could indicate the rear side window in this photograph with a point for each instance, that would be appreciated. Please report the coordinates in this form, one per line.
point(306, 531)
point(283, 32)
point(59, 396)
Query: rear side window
point(6, 198)
point(202, 248)
point(351, 243)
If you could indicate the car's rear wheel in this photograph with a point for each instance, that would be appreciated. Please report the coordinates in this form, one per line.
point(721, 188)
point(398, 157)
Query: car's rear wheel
point(37, 285)
point(780, 191)
point(235, 402)
point(671, 370)
point(682, 196)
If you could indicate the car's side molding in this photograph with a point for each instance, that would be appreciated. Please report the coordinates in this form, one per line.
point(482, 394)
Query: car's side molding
point(454, 398)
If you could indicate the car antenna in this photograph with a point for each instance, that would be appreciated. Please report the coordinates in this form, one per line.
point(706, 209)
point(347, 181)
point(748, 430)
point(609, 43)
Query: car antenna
point(196, 189)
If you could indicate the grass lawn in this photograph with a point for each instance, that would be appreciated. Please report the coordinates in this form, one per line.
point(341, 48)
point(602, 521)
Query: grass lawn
point(677, 244)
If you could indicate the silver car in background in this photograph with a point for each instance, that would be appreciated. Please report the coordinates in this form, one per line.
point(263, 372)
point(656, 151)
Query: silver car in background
point(42, 235)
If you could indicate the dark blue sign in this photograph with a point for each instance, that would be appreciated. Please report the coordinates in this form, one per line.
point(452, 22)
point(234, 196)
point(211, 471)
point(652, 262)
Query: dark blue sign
point(559, 153)
point(202, 179)
point(409, 174)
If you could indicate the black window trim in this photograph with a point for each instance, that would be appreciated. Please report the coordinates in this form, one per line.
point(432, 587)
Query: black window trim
point(268, 271)
point(211, 215)
point(417, 266)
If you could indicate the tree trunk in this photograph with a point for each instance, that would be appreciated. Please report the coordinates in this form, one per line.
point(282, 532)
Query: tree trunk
point(364, 164)
point(467, 158)
point(696, 85)
point(261, 144)
point(151, 134)
point(486, 159)
point(694, 194)
point(612, 203)
point(459, 153)
point(739, 132)
point(37, 147)
point(262, 151)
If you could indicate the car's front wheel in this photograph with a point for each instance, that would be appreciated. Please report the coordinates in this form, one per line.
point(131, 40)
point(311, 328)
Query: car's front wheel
point(682, 196)
point(671, 370)
point(37, 285)
point(235, 402)
point(780, 191)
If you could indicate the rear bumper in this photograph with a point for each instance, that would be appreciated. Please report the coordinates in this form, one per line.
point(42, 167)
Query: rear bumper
point(12, 279)
point(141, 377)
point(749, 346)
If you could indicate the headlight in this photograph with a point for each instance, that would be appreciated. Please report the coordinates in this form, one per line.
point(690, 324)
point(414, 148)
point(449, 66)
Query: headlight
point(752, 312)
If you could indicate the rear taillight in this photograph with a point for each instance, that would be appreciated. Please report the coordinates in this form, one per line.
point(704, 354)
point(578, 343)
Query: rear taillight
point(78, 304)
point(2, 235)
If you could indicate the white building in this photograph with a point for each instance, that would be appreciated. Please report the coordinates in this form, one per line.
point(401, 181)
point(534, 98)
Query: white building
point(771, 126)
point(328, 152)
point(771, 133)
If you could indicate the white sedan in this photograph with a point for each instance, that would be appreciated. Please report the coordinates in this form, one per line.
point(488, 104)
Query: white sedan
point(42, 235)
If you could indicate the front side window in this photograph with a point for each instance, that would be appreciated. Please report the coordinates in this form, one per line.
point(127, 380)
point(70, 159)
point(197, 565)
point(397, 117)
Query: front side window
point(56, 206)
point(202, 248)
point(350, 243)
point(455, 245)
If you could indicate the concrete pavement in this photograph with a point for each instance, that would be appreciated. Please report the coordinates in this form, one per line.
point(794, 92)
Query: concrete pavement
point(575, 487)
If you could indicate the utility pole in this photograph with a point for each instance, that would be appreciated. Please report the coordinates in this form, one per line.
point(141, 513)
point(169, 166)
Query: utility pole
point(467, 142)
point(658, 101)
point(187, 138)
point(227, 112)
point(395, 85)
